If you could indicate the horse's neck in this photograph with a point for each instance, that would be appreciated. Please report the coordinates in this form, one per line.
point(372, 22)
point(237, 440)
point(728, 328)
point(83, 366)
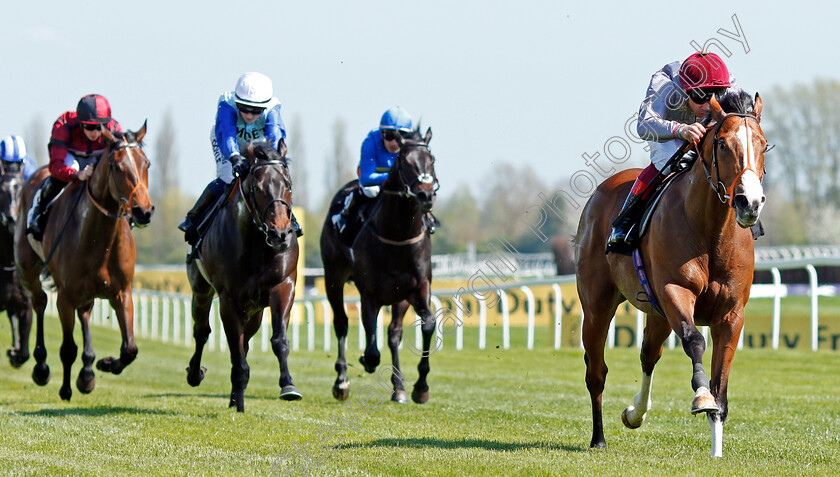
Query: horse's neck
point(398, 217)
point(7, 257)
point(713, 220)
point(94, 225)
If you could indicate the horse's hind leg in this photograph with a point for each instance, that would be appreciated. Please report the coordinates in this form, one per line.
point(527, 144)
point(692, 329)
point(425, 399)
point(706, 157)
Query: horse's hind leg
point(123, 305)
point(599, 302)
point(68, 345)
point(86, 380)
point(395, 333)
point(201, 304)
point(656, 332)
point(335, 295)
point(281, 301)
point(370, 315)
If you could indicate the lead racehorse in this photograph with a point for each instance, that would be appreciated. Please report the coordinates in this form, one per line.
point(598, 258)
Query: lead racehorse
point(698, 254)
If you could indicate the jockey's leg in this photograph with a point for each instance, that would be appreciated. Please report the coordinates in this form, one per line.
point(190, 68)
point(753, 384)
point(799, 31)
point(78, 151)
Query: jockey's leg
point(649, 178)
point(339, 220)
point(211, 194)
point(296, 226)
point(431, 222)
point(37, 218)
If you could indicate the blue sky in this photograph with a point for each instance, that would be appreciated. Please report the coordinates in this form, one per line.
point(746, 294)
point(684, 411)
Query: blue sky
point(531, 82)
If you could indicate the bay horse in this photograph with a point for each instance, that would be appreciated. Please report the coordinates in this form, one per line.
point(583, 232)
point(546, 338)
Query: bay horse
point(89, 250)
point(698, 253)
point(249, 257)
point(390, 264)
point(13, 298)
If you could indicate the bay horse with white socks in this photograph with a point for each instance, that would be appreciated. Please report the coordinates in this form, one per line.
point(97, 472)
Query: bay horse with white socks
point(698, 254)
point(89, 251)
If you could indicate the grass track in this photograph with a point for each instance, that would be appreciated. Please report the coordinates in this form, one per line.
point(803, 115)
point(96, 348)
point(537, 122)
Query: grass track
point(491, 412)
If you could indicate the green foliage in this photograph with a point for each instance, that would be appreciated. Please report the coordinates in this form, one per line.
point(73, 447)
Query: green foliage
point(161, 242)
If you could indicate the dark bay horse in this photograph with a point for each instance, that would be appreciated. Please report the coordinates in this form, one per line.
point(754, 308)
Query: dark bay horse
point(698, 254)
point(91, 254)
point(13, 298)
point(391, 265)
point(249, 256)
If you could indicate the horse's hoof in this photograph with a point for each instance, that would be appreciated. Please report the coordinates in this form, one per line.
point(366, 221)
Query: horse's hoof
point(291, 393)
point(194, 379)
point(341, 391)
point(108, 365)
point(598, 445)
point(85, 382)
point(370, 369)
point(704, 402)
point(420, 397)
point(627, 423)
point(65, 392)
point(16, 359)
point(41, 374)
point(400, 396)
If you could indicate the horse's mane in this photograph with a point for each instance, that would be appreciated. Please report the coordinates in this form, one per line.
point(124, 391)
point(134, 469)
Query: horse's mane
point(264, 152)
point(736, 101)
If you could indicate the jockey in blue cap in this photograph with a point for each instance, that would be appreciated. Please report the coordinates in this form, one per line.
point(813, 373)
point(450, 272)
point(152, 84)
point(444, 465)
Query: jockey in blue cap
point(249, 113)
point(379, 151)
point(13, 149)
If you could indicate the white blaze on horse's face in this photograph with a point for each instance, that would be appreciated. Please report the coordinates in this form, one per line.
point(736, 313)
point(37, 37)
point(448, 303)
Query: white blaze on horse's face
point(751, 183)
point(425, 178)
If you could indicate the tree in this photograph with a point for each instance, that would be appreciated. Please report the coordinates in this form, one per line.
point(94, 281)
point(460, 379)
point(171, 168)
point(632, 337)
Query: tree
point(339, 162)
point(36, 140)
point(459, 217)
point(297, 160)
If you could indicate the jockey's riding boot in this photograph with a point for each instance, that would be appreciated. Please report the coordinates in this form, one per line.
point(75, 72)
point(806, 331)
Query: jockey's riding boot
point(296, 226)
point(37, 218)
point(339, 220)
point(207, 198)
point(620, 237)
point(431, 222)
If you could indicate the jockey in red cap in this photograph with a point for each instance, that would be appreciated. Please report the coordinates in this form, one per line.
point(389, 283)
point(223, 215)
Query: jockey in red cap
point(75, 145)
point(677, 98)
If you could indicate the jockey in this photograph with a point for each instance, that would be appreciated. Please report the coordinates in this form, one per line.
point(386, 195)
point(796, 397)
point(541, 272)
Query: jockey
point(676, 100)
point(379, 151)
point(249, 113)
point(13, 149)
point(75, 145)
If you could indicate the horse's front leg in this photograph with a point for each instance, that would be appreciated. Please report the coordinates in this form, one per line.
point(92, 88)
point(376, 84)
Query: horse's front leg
point(281, 300)
point(420, 302)
point(370, 314)
point(20, 318)
point(240, 372)
point(68, 349)
point(202, 300)
point(86, 380)
point(725, 336)
point(335, 294)
point(656, 332)
point(41, 372)
point(678, 304)
point(123, 305)
point(395, 334)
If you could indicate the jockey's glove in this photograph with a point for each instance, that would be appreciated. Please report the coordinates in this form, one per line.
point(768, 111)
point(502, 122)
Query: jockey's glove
point(240, 166)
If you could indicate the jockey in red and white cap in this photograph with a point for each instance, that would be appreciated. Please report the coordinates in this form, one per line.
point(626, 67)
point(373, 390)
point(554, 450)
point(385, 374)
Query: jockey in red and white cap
point(676, 100)
point(75, 145)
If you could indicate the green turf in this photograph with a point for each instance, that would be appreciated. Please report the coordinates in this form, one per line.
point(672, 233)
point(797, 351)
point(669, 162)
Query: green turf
point(491, 412)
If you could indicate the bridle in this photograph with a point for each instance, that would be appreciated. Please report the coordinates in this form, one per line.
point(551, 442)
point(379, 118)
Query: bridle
point(8, 176)
point(723, 193)
point(424, 178)
point(125, 203)
point(250, 201)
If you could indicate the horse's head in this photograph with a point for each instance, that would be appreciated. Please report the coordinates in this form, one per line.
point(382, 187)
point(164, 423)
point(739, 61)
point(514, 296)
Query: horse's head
point(735, 154)
point(11, 183)
point(124, 171)
point(267, 192)
point(413, 172)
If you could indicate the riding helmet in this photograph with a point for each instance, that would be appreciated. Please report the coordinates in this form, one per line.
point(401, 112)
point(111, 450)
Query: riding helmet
point(253, 89)
point(396, 118)
point(12, 149)
point(94, 109)
point(704, 69)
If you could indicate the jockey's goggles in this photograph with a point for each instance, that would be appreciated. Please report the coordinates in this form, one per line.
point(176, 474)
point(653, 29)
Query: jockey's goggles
point(250, 110)
point(391, 134)
point(92, 126)
point(703, 95)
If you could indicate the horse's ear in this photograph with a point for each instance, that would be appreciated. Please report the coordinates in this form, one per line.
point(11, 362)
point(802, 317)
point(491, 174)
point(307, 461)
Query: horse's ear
point(141, 132)
point(716, 110)
point(281, 148)
point(428, 136)
point(249, 152)
point(757, 107)
point(108, 135)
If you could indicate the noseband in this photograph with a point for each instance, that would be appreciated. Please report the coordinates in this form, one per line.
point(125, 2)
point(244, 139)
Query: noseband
point(250, 203)
point(425, 179)
point(125, 204)
point(723, 193)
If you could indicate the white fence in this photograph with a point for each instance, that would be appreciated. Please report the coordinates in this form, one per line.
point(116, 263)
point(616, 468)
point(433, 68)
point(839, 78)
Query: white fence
point(167, 316)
